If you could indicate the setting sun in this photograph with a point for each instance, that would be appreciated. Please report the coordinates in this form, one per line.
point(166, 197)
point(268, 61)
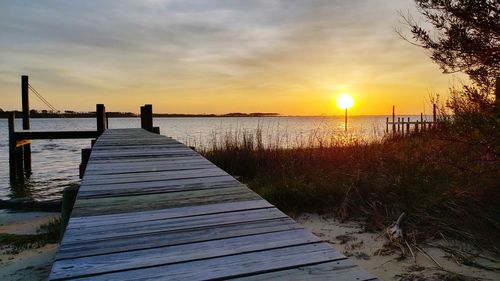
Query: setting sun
point(345, 101)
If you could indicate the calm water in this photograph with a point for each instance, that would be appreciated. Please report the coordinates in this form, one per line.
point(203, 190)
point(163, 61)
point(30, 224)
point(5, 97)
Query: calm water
point(55, 162)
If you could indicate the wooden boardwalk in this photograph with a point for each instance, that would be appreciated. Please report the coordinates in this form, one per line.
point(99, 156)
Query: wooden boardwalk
point(150, 208)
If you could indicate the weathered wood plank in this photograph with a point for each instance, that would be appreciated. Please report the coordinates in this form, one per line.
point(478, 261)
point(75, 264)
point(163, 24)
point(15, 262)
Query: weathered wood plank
point(154, 176)
point(125, 204)
point(231, 266)
point(92, 221)
point(179, 185)
point(130, 169)
point(180, 253)
point(152, 163)
point(77, 234)
point(188, 182)
point(339, 270)
point(175, 237)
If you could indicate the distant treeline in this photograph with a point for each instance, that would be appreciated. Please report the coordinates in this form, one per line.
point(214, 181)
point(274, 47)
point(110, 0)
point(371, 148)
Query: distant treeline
point(75, 114)
point(65, 114)
point(233, 114)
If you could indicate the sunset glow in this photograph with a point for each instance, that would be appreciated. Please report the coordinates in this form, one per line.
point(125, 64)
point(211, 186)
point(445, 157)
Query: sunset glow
point(345, 101)
point(215, 56)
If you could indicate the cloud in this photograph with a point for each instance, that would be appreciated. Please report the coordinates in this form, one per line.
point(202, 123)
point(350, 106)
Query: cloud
point(184, 47)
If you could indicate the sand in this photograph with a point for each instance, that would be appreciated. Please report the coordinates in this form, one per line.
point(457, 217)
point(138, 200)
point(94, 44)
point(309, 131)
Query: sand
point(363, 248)
point(348, 238)
point(30, 264)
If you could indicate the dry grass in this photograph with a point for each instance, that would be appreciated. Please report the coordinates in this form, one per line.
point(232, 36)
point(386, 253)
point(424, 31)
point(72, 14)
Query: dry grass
point(448, 188)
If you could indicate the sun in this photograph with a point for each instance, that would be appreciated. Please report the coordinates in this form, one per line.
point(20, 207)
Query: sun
point(345, 101)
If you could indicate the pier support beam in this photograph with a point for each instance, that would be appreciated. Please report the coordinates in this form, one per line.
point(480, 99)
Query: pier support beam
point(12, 147)
point(85, 158)
point(68, 201)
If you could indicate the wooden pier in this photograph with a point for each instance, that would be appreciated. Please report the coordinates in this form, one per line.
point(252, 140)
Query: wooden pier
point(150, 208)
point(401, 126)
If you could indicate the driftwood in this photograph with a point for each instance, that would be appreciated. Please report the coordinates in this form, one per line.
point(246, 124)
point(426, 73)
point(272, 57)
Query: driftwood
point(394, 232)
point(25, 204)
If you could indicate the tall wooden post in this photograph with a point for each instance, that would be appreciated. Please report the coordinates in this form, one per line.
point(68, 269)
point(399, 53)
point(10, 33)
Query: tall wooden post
point(422, 126)
point(12, 146)
point(408, 126)
point(147, 117)
point(100, 111)
point(25, 101)
point(434, 116)
point(393, 120)
point(26, 122)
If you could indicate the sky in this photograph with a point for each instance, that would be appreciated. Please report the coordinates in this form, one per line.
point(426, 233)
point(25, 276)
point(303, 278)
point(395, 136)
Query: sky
point(292, 57)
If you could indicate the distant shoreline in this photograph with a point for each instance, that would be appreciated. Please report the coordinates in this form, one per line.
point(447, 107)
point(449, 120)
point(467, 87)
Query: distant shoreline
point(70, 114)
point(4, 115)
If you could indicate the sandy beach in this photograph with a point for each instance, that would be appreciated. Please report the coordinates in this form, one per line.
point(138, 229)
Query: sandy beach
point(28, 264)
point(367, 250)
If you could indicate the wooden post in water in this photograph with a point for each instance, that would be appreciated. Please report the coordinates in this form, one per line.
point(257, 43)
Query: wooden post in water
point(399, 124)
point(386, 125)
point(68, 201)
point(434, 116)
point(345, 120)
point(20, 162)
point(100, 112)
point(393, 120)
point(147, 117)
point(408, 126)
point(12, 146)
point(85, 159)
point(422, 125)
point(26, 123)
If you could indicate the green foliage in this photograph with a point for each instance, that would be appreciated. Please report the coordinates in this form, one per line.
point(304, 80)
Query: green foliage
point(465, 37)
